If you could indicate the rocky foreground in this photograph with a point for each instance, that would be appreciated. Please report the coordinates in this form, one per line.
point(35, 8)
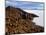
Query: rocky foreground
point(19, 22)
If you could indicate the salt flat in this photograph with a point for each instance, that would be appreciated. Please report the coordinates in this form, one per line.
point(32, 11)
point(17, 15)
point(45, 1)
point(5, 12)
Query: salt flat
point(39, 20)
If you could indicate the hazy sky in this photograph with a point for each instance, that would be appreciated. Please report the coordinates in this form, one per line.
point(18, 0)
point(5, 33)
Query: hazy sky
point(29, 5)
point(26, 5)
point(28, 0)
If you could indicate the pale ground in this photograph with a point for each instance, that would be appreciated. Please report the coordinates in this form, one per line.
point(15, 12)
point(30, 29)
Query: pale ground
point(38, 20)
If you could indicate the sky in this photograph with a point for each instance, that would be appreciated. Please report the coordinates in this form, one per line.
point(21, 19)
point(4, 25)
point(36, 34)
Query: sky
point(29, 0)
point(29, 5)
point(26, 5)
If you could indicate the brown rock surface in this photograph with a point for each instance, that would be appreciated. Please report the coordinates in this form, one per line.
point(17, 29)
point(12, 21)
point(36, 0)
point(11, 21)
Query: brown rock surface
point(19, 21)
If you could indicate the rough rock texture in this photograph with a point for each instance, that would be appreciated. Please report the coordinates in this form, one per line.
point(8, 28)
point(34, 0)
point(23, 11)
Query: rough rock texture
point(19, 21)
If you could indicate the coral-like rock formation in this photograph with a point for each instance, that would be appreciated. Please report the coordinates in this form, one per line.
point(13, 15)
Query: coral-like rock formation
point(19, 21)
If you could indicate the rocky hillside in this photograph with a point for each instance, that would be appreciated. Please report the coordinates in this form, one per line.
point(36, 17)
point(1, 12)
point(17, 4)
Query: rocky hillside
point(19, 21)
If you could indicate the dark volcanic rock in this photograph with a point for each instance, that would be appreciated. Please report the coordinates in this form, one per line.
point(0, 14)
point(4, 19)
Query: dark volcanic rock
point(19, 21)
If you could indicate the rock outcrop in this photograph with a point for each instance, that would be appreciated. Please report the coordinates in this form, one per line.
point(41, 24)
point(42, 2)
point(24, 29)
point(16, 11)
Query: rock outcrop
point(19, 21)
